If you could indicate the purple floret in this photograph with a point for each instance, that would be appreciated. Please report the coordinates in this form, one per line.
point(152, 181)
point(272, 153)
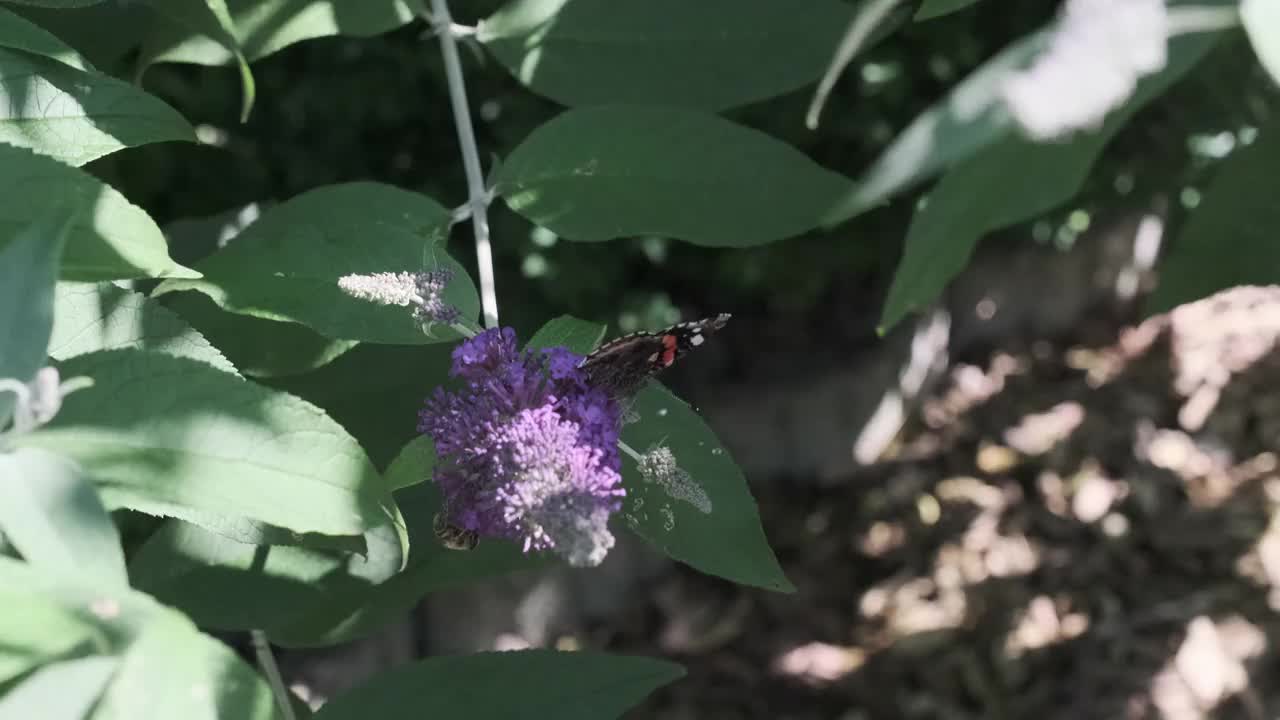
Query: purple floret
point(527, 450)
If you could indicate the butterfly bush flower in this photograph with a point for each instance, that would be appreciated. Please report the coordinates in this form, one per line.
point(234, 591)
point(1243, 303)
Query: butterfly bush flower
point(423, 290)
point(1096, 55)
point(528, 451)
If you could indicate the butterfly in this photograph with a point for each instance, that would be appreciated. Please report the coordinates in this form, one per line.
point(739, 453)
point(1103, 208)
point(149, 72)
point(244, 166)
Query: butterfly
point(620, 367)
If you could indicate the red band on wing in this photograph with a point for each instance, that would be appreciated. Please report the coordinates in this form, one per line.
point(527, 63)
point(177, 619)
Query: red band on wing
point(668, 350)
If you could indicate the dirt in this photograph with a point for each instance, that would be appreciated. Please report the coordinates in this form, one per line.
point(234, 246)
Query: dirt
point(1060, 532)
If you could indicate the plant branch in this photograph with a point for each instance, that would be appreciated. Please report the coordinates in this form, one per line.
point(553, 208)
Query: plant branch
point(477, 194)
point(267, 661)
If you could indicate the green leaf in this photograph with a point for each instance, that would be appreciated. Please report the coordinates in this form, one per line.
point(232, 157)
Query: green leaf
point(177, 437)
point(1229, 239)
point(28, 272)
point(228, 585)
point(930, 9)
point(53, 516)
point(1261, 20)
point(77, 116)
point(286, 266)
point(110, 240)
point(535, 684)
point(599, 173)
point(711, 54)
point(704, 517)
point(262, 27)
point(431, 566)
point(166, 667)
point(21, 34)
point(261, 348)
point(100, 316)
point(375, 392)
point(106, 34)
point(211, 21)
point(567, 331)
point(173, 671)
point(1009, 182)
point(64, 690)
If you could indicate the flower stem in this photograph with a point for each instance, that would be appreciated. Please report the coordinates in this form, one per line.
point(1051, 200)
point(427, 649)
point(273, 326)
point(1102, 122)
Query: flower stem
point(477, 195)
point(267, 661)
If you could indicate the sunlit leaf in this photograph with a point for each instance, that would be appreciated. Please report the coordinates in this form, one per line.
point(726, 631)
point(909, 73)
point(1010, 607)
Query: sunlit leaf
point(77, 116)
point(285, 266)
point(262, 27)
point(28, 272)
point(53, 516)
point(177, 437)
point(20, 33)
point(110, 239)
point(100, 316)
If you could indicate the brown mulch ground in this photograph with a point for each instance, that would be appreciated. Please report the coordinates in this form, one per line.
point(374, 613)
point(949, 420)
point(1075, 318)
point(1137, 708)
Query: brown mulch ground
point(1062, 533)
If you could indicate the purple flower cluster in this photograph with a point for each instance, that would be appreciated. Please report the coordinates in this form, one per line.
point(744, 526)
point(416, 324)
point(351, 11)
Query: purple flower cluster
point(528, 451)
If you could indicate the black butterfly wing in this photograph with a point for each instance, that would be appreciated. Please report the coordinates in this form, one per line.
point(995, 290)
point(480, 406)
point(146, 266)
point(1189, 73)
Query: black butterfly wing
point(621, 367)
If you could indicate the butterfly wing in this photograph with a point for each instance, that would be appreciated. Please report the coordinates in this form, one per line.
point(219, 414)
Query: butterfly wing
point(621, 367)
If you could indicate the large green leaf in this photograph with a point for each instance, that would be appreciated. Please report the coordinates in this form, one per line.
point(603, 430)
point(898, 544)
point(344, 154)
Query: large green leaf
point(598, 173)
point(53, 516)
point(258, 347)
point(229, 585)
point(64, 690)
point(77, 116)
point(177, 437)
point(534, 684)
point(21, 34)
point(166, 668)
point(1261, 20)
point(1009, 182)
point(375, 392)
point(110, 239)
point(1230, 239)
point(711, 54)
point(107, 34)
point(100, 316)
point(262, 27)
point(431, 566)
point(28, 272)
point(211, 21)
point(285, 267)
point(704, 514)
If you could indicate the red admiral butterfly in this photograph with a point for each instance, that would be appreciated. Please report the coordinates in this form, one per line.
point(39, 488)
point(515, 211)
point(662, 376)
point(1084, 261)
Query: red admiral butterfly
point(621, 367)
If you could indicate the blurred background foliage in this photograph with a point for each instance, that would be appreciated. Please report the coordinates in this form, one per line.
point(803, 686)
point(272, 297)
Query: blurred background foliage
point(339, 109)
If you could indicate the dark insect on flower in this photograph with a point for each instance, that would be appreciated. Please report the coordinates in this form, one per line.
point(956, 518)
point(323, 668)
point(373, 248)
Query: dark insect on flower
point(452, 536)
point(621, 367)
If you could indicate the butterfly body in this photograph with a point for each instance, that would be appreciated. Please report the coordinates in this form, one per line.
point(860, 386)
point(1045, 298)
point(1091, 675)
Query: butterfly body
point(452, 536)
